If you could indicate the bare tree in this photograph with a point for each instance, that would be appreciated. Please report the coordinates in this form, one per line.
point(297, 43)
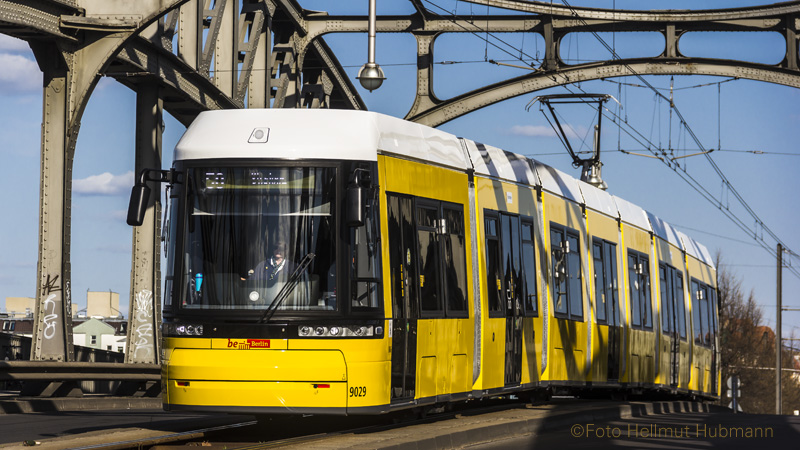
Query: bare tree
point(748, 349)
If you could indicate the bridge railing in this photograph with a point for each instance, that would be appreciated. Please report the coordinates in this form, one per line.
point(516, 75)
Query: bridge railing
point(75, 379)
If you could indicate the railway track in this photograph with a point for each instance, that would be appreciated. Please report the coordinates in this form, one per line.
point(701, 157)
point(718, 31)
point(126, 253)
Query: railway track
point(283, 431)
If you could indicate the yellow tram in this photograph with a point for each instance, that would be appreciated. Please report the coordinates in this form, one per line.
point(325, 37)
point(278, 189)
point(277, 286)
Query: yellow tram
point(347, 262)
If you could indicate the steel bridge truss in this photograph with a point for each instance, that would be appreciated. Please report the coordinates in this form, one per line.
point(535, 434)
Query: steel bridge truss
point(187, 56)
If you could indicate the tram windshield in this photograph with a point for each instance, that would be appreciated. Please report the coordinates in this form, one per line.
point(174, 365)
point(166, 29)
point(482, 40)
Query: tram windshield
point(248, 229)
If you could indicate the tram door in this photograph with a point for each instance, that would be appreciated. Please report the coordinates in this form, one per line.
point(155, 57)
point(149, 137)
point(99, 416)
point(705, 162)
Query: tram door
point(669, 320)
point(512, 292)
point(675, 349)
point(604, 254)
point(402, 259)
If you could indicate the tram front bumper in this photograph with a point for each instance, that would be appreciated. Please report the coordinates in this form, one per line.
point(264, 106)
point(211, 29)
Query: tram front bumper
point(266, 381)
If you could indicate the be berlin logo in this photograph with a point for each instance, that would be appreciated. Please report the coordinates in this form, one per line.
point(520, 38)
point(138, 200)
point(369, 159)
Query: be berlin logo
point(701, 431)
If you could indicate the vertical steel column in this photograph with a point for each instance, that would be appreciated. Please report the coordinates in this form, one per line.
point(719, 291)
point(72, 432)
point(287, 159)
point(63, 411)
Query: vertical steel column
point(190, 36)
point(284, 70)
point(259, 87)
point(225, 54)
point(425, 98)
point(52, 332)
point(144, 312)
point(551, 56)
point(671, 42)
point(252, 22)
point(779, 335)
point(792, 58)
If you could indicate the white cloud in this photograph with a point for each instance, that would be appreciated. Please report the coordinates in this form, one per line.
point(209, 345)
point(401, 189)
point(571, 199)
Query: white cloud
point(104, 184)
point(20, 75)
point(13, 44)
point(532, 130)
point(542, 131)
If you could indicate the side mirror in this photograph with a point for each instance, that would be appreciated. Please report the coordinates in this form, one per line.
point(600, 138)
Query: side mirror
point(140, 195)
point(354, 203)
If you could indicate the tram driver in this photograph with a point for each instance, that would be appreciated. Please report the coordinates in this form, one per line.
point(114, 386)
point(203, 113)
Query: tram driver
point(272, 274)
point(276, 268)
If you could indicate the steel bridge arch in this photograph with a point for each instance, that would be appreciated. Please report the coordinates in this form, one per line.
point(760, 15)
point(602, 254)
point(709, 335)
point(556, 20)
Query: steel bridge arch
point(444, 111)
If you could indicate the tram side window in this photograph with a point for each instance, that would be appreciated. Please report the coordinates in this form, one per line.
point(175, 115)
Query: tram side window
point(704, 315)
point(575, 291)
point(639, 281)
point(599, 282)
point(530, 302)
point(633, 283)
point(455, 262)
point(566, 260)
point(604, 254)
point(559, 271)
point(402, 255)
point(365, 259)
point(698, 328)
point(493, 283)
point(667, 312)
point(427, 221)
point(679, 300)
point(612, 292)
point(172, 238)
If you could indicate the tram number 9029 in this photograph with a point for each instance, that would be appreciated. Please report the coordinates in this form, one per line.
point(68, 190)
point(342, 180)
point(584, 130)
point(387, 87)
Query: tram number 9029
point(358, 391)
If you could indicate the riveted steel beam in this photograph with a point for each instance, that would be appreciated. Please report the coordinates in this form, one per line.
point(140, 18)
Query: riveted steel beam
point(52, 333)
point(184, 91)
point(343, 93)
point(448, 110)
point(36, 19)
point(143, 315)
point(546, 8)
point(425, 98)
point(554, 22)
point(252, 28)
point(71, 71)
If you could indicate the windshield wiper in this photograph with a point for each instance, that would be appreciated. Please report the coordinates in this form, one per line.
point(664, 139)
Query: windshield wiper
point(287, 288)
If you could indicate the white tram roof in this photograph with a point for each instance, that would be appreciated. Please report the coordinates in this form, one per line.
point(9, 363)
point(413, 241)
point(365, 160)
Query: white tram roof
point(598, 200)
point(664, 230)
point(362, 135)
point(558, 182)
point(496, 163)
point(314, 134)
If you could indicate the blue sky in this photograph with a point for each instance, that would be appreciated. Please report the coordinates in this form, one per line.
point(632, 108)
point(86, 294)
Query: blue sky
point(751, 116)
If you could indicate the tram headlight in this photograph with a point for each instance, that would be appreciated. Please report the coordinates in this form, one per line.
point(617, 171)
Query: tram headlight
point(182, 330)
point(339, 331)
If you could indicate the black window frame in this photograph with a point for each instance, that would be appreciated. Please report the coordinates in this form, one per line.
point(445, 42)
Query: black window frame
point(567, 233)
point(643, 277)
point(683, 324)
point(495, 309)
point(460, 232)
point(609, 270)
point(526, 291)
point(678, 298)
point(441, 230)
point(666, 290)
point(710, 320)
point(429, 205)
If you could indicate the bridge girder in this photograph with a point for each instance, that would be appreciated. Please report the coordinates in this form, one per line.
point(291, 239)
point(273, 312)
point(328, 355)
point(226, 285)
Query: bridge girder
point(554, 22)
point(435, 112)
point(71, 69)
